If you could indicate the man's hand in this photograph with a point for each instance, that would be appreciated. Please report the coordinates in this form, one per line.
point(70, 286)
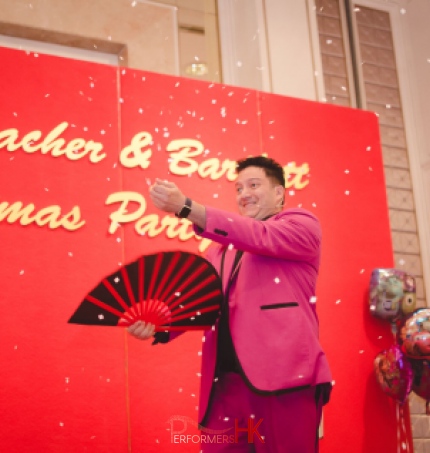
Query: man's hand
point(166, 196)
point(141, 330)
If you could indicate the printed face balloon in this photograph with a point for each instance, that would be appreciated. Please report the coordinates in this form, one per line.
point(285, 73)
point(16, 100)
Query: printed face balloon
point(391, 294)
point(414, 335)
point(393, 371)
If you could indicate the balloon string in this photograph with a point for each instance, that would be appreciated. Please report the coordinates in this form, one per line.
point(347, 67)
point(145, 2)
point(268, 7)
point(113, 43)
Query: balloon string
point(399, 440)
point(401, 429)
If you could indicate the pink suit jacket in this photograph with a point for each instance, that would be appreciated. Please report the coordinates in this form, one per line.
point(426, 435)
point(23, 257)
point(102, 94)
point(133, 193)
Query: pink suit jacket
point(272, 313)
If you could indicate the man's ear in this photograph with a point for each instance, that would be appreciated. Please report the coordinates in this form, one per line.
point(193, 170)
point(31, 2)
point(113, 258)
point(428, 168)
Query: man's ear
point(280, 193)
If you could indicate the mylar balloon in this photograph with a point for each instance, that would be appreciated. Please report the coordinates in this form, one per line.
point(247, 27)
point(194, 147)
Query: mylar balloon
point(414, 335)
point(421, 380)
point(394, 373)
point(391, 294)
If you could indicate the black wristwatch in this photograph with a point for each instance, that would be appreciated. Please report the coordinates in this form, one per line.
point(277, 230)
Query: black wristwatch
point(186, 209)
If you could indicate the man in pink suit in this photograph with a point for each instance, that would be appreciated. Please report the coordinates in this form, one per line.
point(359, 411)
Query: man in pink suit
point(264, 374)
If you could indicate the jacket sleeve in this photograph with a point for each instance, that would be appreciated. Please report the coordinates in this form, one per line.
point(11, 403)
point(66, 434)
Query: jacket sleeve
point(293, 234)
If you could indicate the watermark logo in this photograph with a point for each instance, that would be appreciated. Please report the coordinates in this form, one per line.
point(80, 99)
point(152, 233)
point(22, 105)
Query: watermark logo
point(179, 425)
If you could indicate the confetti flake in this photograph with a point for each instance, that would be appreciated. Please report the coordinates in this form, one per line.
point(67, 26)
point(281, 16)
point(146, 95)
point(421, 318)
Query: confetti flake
point(101, 317)
point(313, 299)
point(276, 280)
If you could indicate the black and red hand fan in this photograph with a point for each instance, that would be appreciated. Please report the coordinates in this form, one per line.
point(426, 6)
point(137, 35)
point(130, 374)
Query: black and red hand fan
point(172, 290)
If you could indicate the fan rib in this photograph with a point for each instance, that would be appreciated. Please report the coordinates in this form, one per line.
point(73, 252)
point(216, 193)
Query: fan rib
point(115, 294)
point(153, 279)
point(189, 261)
point(193, 290)
point(141, 284)
point(167, 274)
point(181, 329)
point(187, 315)
point(133, 308)
point(106, 307)
point(192, 304)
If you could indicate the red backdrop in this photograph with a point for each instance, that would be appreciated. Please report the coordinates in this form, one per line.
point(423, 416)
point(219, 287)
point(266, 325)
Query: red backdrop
point(76, 388)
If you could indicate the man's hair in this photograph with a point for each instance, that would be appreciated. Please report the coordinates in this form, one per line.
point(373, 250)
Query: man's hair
point(271, 168)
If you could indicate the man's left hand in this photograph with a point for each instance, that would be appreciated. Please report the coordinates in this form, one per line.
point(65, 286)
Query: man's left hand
point(166, 196)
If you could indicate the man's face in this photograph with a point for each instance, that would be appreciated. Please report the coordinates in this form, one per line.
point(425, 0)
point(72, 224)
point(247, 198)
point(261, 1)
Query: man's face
point(256, 195)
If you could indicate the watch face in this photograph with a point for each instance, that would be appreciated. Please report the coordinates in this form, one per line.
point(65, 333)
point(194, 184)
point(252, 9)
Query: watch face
point(185, 211)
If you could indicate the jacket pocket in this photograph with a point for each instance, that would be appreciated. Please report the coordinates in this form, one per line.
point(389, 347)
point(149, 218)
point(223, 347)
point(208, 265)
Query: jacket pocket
point(281, 305)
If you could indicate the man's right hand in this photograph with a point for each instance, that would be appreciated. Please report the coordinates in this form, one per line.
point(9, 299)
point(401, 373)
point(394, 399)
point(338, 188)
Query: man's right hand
point(141, 330)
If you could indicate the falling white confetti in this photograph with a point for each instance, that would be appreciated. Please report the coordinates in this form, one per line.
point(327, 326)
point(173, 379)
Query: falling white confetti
point(15, 347)
point(276, 280)
point(101, 317)
point(215, 195)
point(223, 114)
point(347, 172)
point(239, 64)
point(118, 239)
point(380, 337)
point(401, 261)
point(121, 100)
point(388, 106)
point(361, 351)
point(67, 380)
point(362, 271)
point(70, 253)
point(103, 132)
point(338, 302)
point(402, 11)
point(226, 419)
point(180, 390)
point(346, 192)
point(199, 374)
point(291, 193)
point(199, 353)
point(15, 114)
point(116, 279)
point(329, 41)
point(368, 148)
point(61, 424)
point(21, 272)
point(203, 339)
point(313, 299)
point(133, 4)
